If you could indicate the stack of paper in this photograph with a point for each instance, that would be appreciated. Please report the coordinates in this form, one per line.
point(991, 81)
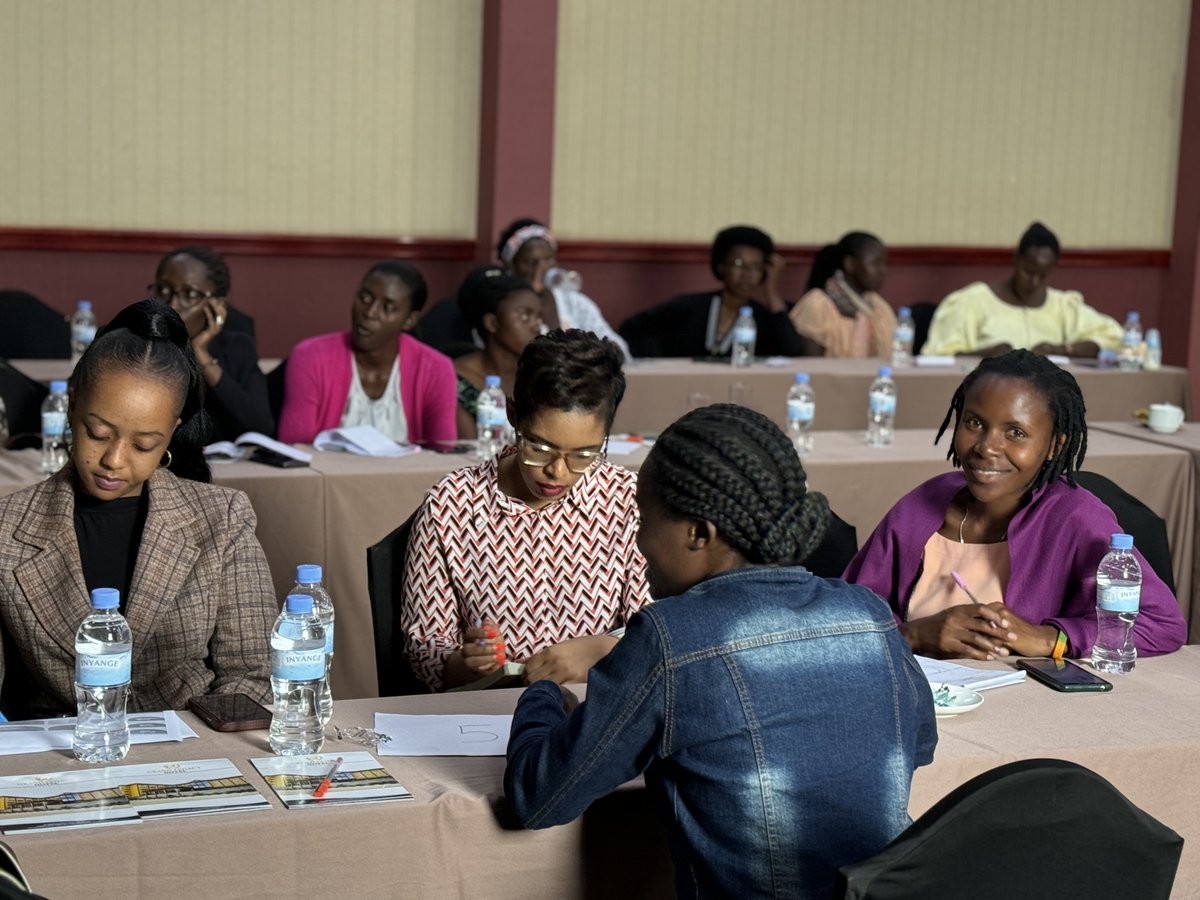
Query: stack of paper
point(38, 735)
point(364, 440)
point(940, 671)
point(360, 779)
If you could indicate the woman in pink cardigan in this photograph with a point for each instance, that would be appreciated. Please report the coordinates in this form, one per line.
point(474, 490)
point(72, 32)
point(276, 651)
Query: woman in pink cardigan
point(373, 374)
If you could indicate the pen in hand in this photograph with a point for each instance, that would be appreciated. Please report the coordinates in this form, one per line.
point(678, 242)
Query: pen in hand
point(328, 779)
point(958, 579)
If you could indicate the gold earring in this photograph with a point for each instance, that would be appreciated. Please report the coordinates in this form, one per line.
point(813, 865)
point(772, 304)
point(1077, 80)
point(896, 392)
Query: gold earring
point(167, 464)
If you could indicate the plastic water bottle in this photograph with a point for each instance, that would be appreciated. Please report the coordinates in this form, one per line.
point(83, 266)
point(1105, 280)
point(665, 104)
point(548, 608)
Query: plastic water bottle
point(491, 418)
point(308, 581)
point(563, 279)
point(3, 424)
point(1131, 343)
point(103, 658)
point(54, 428)
point(1153, 361)
point(83, 329)
point(297, 670)
point(902, 338)
point(745, 335)
point(801, 409)
point(1118, 596)
point(881, 409)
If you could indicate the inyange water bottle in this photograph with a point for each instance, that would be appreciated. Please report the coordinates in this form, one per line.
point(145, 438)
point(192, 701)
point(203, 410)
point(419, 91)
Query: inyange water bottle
point(83, 329)
point(801, 410)
point(491, 418)
point(297, 670)
point(745, 336)
point(881, 409)
point(308, 581)
point(1118, 597)
point(1131, 343)
point(103, 663)
point(902, 338)
point(54, 428)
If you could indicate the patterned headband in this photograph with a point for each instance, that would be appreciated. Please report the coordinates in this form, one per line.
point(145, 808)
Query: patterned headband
point(523, 235)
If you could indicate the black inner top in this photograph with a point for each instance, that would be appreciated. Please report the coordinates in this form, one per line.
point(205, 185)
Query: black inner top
point(109, 533)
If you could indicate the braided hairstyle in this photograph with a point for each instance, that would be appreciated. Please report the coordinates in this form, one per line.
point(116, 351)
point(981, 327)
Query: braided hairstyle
point(1062, 395)
point(148, 338)
point(831, 257)
point(732, 466)
point(213, 262)
point(568, 370)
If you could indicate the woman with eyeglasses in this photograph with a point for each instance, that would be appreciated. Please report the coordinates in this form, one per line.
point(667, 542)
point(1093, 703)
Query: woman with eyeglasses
point(504, 310)
point(373, 373)
point(531, 557)
point(195, 282)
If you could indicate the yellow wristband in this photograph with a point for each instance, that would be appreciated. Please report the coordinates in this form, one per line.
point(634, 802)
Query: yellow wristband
point(1060, 645)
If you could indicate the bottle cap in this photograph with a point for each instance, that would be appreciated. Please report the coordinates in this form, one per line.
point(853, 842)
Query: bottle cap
point(299, 603)
point(308, 573)
point(106, 598)
point(1122, 542)
point(885, 371)
point(58, 387)
point(491, 381)
point(905, 311)
point(801, 378)
point(745, 311)
point(85, 304)
point(1134, 315)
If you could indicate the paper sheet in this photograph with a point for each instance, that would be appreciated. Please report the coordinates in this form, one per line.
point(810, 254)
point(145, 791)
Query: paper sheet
point(941, 671)
point(454, 735)
point(39, 735)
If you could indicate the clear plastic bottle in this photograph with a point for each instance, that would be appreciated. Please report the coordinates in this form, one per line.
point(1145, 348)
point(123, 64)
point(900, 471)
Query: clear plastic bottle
point(902, 338)
point(83, 329)
point(1131, 343)
point(308, 581)
point(103, 658)
point(1118, 597)
point(881, 409)
point(54, 428)
point(3, 424)
point(563, 279)
point(1153, 361)
point(297, 670)
point(745, 336)
point(801, 410)
point(491, 418)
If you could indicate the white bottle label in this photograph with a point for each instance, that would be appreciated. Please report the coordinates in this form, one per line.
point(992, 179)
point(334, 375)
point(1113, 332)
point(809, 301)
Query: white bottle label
point(54, 423)
point(298, 665)
point(745, 335)
point(904, 334)
point(1119, 598)
point(883, 403)
point(103, 671)
point(801, 410)
point(83, 334)
point(491, 417)
point(329, 638)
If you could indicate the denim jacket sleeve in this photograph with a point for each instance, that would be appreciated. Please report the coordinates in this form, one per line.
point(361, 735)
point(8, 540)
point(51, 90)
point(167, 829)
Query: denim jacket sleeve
point(559, 764)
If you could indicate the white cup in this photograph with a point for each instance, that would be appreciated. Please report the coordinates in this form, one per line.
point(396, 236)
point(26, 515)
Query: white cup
point(1165, 418)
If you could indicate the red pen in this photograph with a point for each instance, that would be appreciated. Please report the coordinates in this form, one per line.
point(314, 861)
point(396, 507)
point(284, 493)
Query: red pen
point(328, 779)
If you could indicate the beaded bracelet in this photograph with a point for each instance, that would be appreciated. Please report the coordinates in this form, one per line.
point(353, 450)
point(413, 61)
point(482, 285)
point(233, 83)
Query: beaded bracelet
point(1060, 645)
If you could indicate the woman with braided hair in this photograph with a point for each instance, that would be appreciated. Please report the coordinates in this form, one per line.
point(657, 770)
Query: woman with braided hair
point(1012, 524)
point(776, 715)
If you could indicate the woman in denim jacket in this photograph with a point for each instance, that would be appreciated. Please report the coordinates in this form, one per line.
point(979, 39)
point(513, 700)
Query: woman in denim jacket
point(777, 716)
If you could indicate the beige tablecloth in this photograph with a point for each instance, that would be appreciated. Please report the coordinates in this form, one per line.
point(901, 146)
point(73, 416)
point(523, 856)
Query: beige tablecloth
point(449, 843)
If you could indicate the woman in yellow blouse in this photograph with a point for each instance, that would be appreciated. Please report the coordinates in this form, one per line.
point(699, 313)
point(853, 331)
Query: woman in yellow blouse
point(1022, 312)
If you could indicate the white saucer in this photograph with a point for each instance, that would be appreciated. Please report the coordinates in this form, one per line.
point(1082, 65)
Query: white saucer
point(956, 701)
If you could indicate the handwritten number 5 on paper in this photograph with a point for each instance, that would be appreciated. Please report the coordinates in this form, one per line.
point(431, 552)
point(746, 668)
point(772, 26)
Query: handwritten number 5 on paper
point(482, 734)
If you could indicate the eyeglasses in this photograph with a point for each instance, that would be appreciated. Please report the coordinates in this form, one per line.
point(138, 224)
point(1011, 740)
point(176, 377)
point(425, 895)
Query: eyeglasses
point(187, 296)
point(752, 268)
point(577, 461)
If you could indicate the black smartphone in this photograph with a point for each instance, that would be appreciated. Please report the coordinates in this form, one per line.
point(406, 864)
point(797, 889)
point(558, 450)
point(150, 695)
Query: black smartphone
point(1063, 675)
point(444, 447)
point(278, 460)
point(230, 712)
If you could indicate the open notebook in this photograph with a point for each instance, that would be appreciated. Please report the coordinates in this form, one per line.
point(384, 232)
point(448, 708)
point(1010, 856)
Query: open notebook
point(941, 671)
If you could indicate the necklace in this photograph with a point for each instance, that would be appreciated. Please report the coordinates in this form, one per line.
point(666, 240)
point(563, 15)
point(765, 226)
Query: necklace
point(963, 521)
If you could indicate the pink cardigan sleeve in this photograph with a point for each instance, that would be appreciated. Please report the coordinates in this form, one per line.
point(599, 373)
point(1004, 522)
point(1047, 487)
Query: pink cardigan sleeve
point(428, 391)
point(300, 418)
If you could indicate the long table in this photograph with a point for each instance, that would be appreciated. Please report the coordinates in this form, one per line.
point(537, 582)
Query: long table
point(454, 840)
point(331, 512)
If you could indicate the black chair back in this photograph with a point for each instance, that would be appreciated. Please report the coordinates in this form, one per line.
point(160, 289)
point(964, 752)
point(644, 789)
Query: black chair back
point(32, 330)
point(1137, 519)
point(275, 389)
point(922, 314)
point(836, 549)
point(385, 580)
point(1034, 828)
point(23, 398)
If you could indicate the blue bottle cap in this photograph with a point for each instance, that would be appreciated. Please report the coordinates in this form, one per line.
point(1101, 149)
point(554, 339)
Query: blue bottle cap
point(745, 311)
point(801, 378)
point(905, 311)
point(300, 604)
point(885, 371)
point(58, 387)
point(491, 381)
point(85, 304)
point(106, 598)
point(1122, 542)
point(1134, 315)
point(308, 573)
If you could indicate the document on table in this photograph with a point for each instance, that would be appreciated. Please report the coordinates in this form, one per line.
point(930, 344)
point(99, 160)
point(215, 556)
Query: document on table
point(452, 735)
point(941, 671)
point(38, 735)
point(359, 779)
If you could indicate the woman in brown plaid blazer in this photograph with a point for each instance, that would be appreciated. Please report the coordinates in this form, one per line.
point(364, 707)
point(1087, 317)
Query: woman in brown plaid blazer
point(197, 591)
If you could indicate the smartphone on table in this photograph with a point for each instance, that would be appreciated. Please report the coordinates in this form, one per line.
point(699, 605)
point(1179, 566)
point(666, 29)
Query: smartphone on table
point(1063, 675)
point(230, 712)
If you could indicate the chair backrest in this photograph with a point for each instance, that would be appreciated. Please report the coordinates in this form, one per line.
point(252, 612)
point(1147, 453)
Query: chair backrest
point(1034, 828)
point(23, 398)
point(32, 330)
point(1136, 518)
point(836, 549)
point(385, 580)
point(275, 384)
point(922, 314)
point(444, 328)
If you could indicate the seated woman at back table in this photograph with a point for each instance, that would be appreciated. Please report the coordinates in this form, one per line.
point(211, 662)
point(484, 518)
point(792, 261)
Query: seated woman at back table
point(528, 250)
point(1025, 539)
point(195, 282)
point(133, 510)
point(777, 716)
point(841, 313)
point(374, 373)
point(1022, 311)
point(507, 313)
point(530, 556)
point(743, 259)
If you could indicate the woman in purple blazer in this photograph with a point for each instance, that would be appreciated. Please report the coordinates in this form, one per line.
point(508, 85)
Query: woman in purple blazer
point(1012, 525)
